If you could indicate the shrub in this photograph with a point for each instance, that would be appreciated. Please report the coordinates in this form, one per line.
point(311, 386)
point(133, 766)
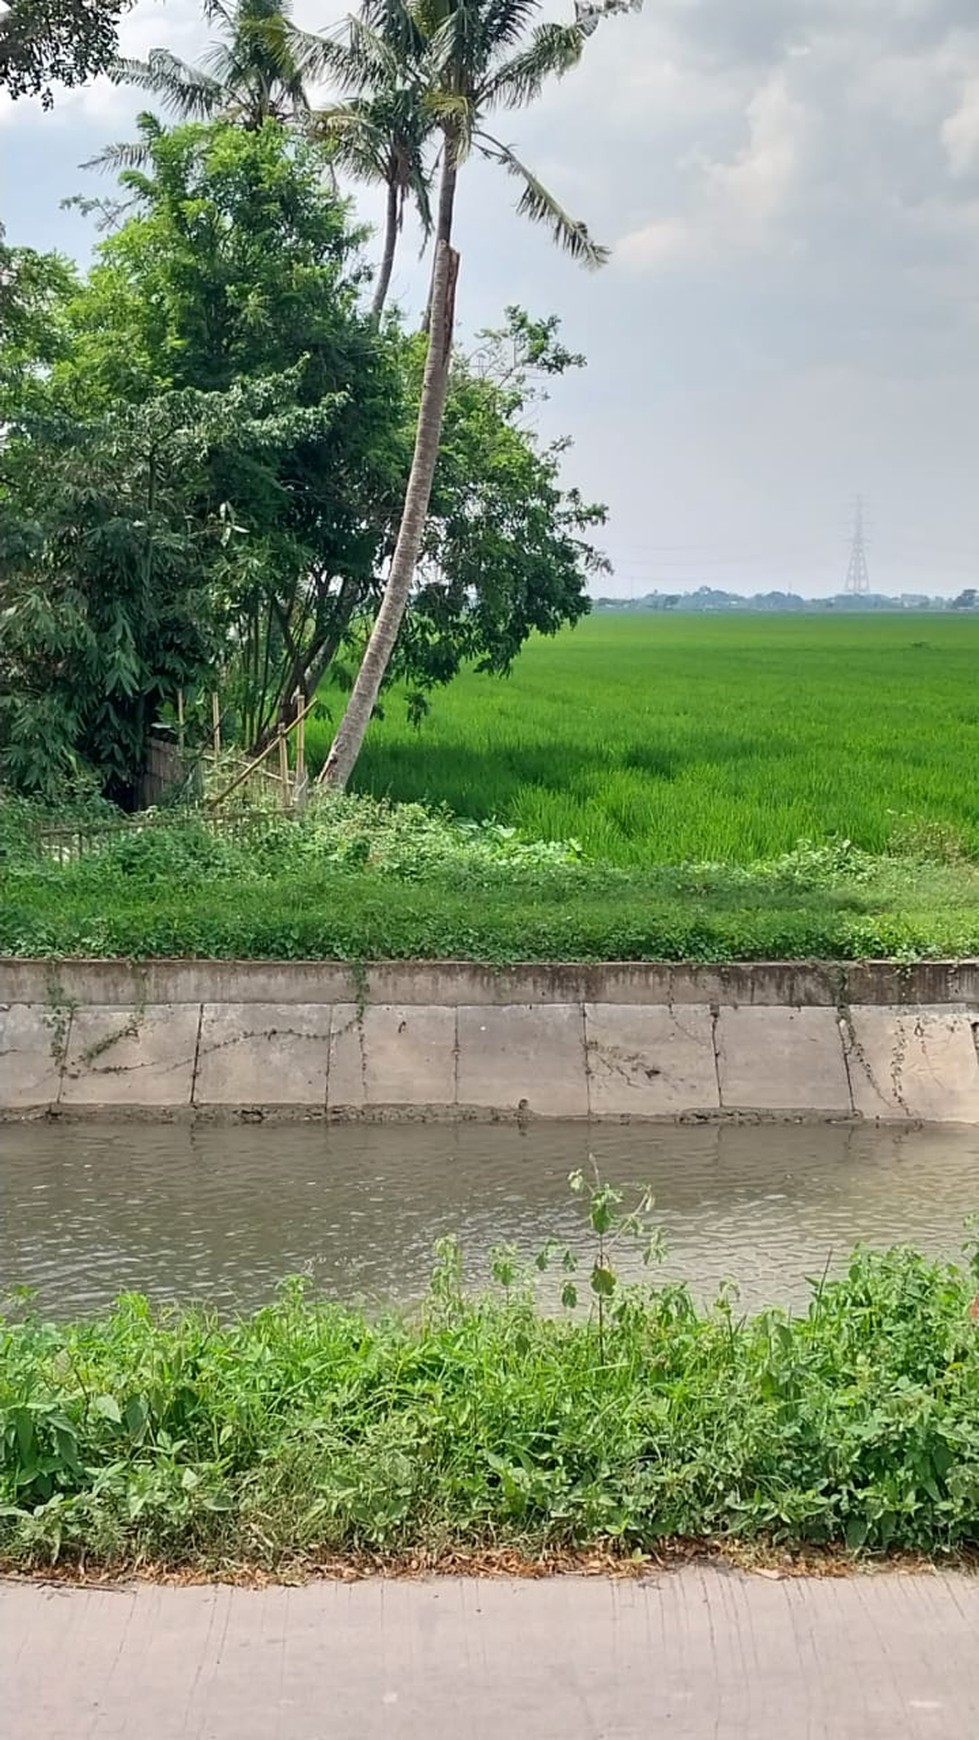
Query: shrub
point(308, 1429)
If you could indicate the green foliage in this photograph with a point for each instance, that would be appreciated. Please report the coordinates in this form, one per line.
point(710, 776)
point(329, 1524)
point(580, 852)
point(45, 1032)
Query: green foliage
point(309, 1429)
point(671, 739)
point(112, 587)
point(235, 279)
point(469, 59)
point(45, 42)
point(239, 263)
point(506, 549)
point(381, 132)
point(357, 879)
point(33, 290)
point(254, 72)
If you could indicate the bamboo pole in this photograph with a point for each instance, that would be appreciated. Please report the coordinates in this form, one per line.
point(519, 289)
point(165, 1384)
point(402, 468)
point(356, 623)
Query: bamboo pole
point(284, 766)
point(180, 720)
point(300, 740)
point(216, 721)
point(299, 791)
point(240, 778)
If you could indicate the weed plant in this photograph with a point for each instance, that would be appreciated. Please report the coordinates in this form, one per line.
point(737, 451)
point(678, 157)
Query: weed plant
point(309, 1429)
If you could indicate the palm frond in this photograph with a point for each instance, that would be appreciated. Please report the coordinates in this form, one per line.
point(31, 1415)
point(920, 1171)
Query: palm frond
point(406, 25)
point(184, 89)
point(441, 61)
point(552, 51)
point(360, 60)
point(456, 116)
point(131, 154)
point(257, 68)
point(356, 144)
point(541, 207)
point(388, 67)
point(419, 186)
point(310, 54)
point(588, 14)
point(216, 12)
point(505, 22)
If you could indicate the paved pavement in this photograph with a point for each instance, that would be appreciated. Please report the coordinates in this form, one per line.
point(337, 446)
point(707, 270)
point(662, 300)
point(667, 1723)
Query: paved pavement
point(701, 1654)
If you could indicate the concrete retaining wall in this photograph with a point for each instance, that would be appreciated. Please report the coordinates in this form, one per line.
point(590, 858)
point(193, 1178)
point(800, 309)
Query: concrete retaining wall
point(769, 1040)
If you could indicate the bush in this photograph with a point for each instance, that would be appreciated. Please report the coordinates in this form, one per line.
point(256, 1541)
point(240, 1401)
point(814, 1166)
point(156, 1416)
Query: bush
point(307, 1429)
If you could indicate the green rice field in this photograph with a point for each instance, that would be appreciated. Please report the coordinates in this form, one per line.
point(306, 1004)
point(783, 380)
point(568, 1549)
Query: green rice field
point(669, 739)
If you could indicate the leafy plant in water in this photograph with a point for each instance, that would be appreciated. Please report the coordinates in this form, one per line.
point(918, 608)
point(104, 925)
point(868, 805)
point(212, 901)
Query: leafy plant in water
point(616, 1215)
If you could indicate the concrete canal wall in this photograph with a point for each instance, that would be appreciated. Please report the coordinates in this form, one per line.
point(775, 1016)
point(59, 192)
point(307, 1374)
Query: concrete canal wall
point(450, 1039)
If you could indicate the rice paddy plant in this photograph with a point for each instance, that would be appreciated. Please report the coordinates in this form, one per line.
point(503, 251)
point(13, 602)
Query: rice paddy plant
point(669, 739)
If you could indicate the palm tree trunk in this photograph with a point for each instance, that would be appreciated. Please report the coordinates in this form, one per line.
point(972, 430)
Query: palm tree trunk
point(347, 743)
point(387, 259)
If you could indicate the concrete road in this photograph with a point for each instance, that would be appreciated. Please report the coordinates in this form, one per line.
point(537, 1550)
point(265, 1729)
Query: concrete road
point(701, 1654)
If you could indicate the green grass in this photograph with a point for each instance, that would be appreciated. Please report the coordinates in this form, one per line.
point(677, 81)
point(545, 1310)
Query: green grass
point(356, 880)
point(687, 755)
point(309, 1430)
point(657, 739)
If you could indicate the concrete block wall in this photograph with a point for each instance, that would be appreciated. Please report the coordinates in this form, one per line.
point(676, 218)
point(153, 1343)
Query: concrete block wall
point(452, 1039)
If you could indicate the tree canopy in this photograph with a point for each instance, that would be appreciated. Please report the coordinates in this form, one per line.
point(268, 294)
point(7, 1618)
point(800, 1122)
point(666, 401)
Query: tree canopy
point(255, 70)
point(207, 448)
point(47, 42)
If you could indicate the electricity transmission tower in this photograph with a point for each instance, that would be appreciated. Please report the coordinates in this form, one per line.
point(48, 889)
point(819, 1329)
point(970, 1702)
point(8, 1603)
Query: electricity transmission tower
point(857, 577)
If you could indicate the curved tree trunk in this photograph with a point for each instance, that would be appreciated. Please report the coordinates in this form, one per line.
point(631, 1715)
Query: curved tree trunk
point(387, 258)
point(347, 743)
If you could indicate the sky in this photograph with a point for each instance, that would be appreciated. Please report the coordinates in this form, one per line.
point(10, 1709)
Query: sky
point(791, 314)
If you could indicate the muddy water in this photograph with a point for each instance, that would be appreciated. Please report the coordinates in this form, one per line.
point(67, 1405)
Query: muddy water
point(220, 1213)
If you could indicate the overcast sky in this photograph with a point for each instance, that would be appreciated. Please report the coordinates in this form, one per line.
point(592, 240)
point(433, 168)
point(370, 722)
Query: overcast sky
point(791, 315)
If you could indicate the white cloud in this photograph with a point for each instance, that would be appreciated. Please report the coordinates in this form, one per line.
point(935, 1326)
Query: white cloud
point(737, 205)
point(960, 132)
point(751, 193)
point(721, 139)
point(666, 242)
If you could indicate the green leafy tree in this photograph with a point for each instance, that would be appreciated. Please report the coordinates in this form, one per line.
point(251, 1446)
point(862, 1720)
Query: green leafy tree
point(158, 532)
point(260, 68)
point(109, 584)
point(238, 262)
point(241, 260)
point(470, 58)
point(33, 290)
point(46, 42)
point(507, 548)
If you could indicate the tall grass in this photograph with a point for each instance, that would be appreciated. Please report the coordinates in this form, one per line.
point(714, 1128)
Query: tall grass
point(668, 739)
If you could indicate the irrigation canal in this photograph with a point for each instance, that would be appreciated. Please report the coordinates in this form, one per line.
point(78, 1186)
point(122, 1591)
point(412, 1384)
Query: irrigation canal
point(219, 1213)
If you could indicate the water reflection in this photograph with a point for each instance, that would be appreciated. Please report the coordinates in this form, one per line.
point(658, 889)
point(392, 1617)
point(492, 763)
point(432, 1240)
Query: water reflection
point(222, 1212)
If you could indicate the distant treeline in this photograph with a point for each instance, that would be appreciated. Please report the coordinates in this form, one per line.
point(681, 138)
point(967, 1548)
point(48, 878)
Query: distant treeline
point(709, 598)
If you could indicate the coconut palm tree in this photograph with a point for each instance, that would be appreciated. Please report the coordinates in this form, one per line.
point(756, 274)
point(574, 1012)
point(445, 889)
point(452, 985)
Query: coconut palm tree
point(256, 71)
point(261, 69)
point(382, 132)
point(468, 58)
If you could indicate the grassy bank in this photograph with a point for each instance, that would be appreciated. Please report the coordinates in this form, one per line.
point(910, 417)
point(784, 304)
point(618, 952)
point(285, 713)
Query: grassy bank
point(665, 739)
point(639, 789)
point(357, 880)
point(333, 916)
point(307, 1430)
